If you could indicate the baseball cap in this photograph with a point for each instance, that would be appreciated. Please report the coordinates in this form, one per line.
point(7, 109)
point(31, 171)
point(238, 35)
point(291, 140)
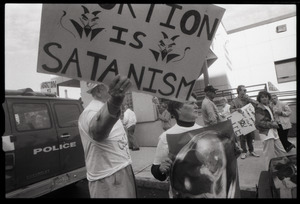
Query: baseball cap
point(90, 86)
point(210, 88)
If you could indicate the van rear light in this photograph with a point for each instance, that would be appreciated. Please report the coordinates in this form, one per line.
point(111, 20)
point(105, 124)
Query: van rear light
point(9, 161)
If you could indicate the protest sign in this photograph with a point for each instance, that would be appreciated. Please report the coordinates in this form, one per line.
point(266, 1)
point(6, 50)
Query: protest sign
point(160, 47)
point(243, 123)
point(204, 162)
point(49, 87)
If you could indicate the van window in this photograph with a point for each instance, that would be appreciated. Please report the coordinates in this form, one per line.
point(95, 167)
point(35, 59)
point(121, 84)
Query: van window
point(67, 115)
point(31, 116)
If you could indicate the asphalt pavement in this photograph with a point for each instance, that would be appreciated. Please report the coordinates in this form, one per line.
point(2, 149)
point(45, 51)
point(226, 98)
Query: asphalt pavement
point(148, 187)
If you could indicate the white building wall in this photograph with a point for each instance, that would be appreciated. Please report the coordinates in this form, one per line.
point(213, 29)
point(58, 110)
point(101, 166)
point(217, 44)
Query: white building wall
point(219, 73)
point(254, 51)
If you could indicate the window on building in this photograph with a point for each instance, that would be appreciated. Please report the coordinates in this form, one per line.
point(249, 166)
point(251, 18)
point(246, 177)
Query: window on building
point(286, 70)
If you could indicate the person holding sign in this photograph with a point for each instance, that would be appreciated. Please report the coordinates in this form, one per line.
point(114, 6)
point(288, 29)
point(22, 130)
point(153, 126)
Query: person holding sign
point(107, 156)
point(235, 105)
point(185, 115)
point(199, 162)
point(267, 127)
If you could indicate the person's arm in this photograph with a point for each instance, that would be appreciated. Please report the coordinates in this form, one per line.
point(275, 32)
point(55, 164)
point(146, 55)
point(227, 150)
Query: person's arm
point(108, 115)
point(235, 107)
point(261, 122)
point(165, 116)
point(212, 115)
point(102, 123)
point(249, 100)
point(161, 171)
point(157, 173)
point(286, 111)
point(162, 163)
point(125, 118)
point(168, 115)
point(232, 106)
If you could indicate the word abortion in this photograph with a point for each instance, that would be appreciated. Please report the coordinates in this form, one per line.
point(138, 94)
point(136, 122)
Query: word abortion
point(198, 23)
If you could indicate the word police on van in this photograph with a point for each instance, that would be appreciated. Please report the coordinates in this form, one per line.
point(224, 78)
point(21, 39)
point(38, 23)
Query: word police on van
point(54, 148)
point(41, 143)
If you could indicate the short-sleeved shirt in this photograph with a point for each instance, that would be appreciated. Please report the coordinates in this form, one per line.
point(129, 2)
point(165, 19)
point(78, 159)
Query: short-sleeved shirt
point(129, 118)
point(108, 156)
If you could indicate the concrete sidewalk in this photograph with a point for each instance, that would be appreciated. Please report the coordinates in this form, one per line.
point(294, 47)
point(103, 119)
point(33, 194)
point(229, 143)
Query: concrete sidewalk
point(249, 169)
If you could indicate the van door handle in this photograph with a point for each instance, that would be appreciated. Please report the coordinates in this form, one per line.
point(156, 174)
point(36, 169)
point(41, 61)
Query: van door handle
point(65, 135)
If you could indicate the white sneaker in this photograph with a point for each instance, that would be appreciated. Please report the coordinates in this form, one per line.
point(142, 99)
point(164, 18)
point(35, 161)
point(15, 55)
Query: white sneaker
point(254, 154)
point(243, 155)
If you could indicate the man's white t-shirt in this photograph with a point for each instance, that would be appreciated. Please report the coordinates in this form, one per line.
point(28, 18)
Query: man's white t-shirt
point(129, 118)
point(108, 156)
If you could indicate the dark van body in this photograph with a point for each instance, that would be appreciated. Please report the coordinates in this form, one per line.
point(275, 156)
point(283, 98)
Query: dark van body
point(41, 143)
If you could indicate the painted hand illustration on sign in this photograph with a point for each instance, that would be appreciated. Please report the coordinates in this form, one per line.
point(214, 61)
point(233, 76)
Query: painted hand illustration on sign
point(166, 46)
point(87, 23)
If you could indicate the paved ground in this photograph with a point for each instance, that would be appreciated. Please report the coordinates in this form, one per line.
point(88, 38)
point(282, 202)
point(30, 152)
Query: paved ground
point(249, 168)
point(148, 187)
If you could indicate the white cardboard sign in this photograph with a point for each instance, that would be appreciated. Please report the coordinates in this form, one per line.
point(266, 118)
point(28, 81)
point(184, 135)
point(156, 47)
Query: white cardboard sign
point(49, 87)
point(243, 123)
point(160, 47)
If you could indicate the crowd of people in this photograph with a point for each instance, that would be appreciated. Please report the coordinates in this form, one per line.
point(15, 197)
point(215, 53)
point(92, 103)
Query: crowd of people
point(107, 139)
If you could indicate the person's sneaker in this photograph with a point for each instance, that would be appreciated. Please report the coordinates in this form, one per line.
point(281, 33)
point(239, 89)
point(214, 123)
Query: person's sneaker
point(243, 155)
point(135, 149)
point(254, 154)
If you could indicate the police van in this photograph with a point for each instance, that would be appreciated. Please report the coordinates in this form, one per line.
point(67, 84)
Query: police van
point(41, 143)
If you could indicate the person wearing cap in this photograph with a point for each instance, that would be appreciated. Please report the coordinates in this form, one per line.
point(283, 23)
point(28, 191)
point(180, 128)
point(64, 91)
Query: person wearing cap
point(235, 105)
point(107, 156)
point(210, 113)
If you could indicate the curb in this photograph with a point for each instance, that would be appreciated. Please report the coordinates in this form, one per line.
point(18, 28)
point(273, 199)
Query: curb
point(163, 185)
point(152, 183)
